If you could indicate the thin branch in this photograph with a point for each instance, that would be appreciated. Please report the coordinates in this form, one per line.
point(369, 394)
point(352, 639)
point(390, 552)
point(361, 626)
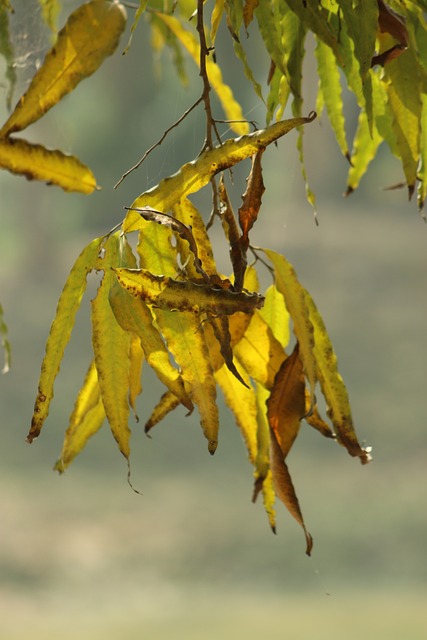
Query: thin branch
point(159, 142)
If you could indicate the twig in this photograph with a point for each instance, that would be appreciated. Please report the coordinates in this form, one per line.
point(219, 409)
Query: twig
point(159, 142)
point(204, 52)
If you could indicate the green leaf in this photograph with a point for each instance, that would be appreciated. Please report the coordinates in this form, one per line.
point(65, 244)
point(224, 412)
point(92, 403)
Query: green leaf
point(35, 162)
point(361, 20)
point(330, 87)
point(403, 87)
point(60, 332)
point(91, 34)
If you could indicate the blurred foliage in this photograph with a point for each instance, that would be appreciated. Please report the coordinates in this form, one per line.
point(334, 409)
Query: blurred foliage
point(167, 303)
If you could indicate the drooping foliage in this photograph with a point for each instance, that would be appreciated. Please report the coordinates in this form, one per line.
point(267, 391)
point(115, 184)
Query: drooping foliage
point(165, 305)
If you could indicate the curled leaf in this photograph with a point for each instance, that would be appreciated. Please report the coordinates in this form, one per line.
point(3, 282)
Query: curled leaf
point(175, 295)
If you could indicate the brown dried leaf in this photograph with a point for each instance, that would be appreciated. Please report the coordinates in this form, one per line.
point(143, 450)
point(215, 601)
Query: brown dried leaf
point(284, 487)
point(251, 204)
point(286, 404)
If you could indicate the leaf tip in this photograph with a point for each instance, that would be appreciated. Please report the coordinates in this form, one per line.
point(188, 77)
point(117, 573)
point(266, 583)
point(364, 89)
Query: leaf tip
point(212, 445)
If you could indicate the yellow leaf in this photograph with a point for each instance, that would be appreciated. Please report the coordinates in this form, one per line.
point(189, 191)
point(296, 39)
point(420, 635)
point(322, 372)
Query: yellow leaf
point(136, 361)
point(286, 404)
point(111, 350)
point(232, 108)
point(333, 387)
point(60, 332)
point(194, 175)
point(241, 400)
point(288, 285)
point(167, 403)
point(260, 354)
point(91, 34)
point(186, 341)
point(35, 162)
point(134, 316)
point(276, 315)
point(86, 419)
point(166, 293)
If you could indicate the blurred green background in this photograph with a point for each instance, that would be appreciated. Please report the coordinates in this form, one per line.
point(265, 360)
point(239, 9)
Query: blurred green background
point(82, 555)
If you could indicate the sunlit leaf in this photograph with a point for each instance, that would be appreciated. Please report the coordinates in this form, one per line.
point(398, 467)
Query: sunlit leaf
point(241, 400)
point(134, 316)
point(184, 295)
point(289, 286)
point(365, 146)
point(35, 162)
point(60, 332)
point(195, 175)
point(332, 384)
point(136, 361)
point(216, 18)
point(111, 347)
point(260, 354)
point(361, 20)
point(402, 81)
point(87, 418)
point(276, 315)
point(90, 35)
point(330, 86)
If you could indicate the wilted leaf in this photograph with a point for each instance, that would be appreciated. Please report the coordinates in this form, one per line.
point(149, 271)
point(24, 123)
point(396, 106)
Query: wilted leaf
point(179, 227)
point(286, 404)
point(248, 212)
point(195, 175)
point(168, 294)
point(60, 332)
point(285, 489)
point(35, 162)
point(91, 34)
